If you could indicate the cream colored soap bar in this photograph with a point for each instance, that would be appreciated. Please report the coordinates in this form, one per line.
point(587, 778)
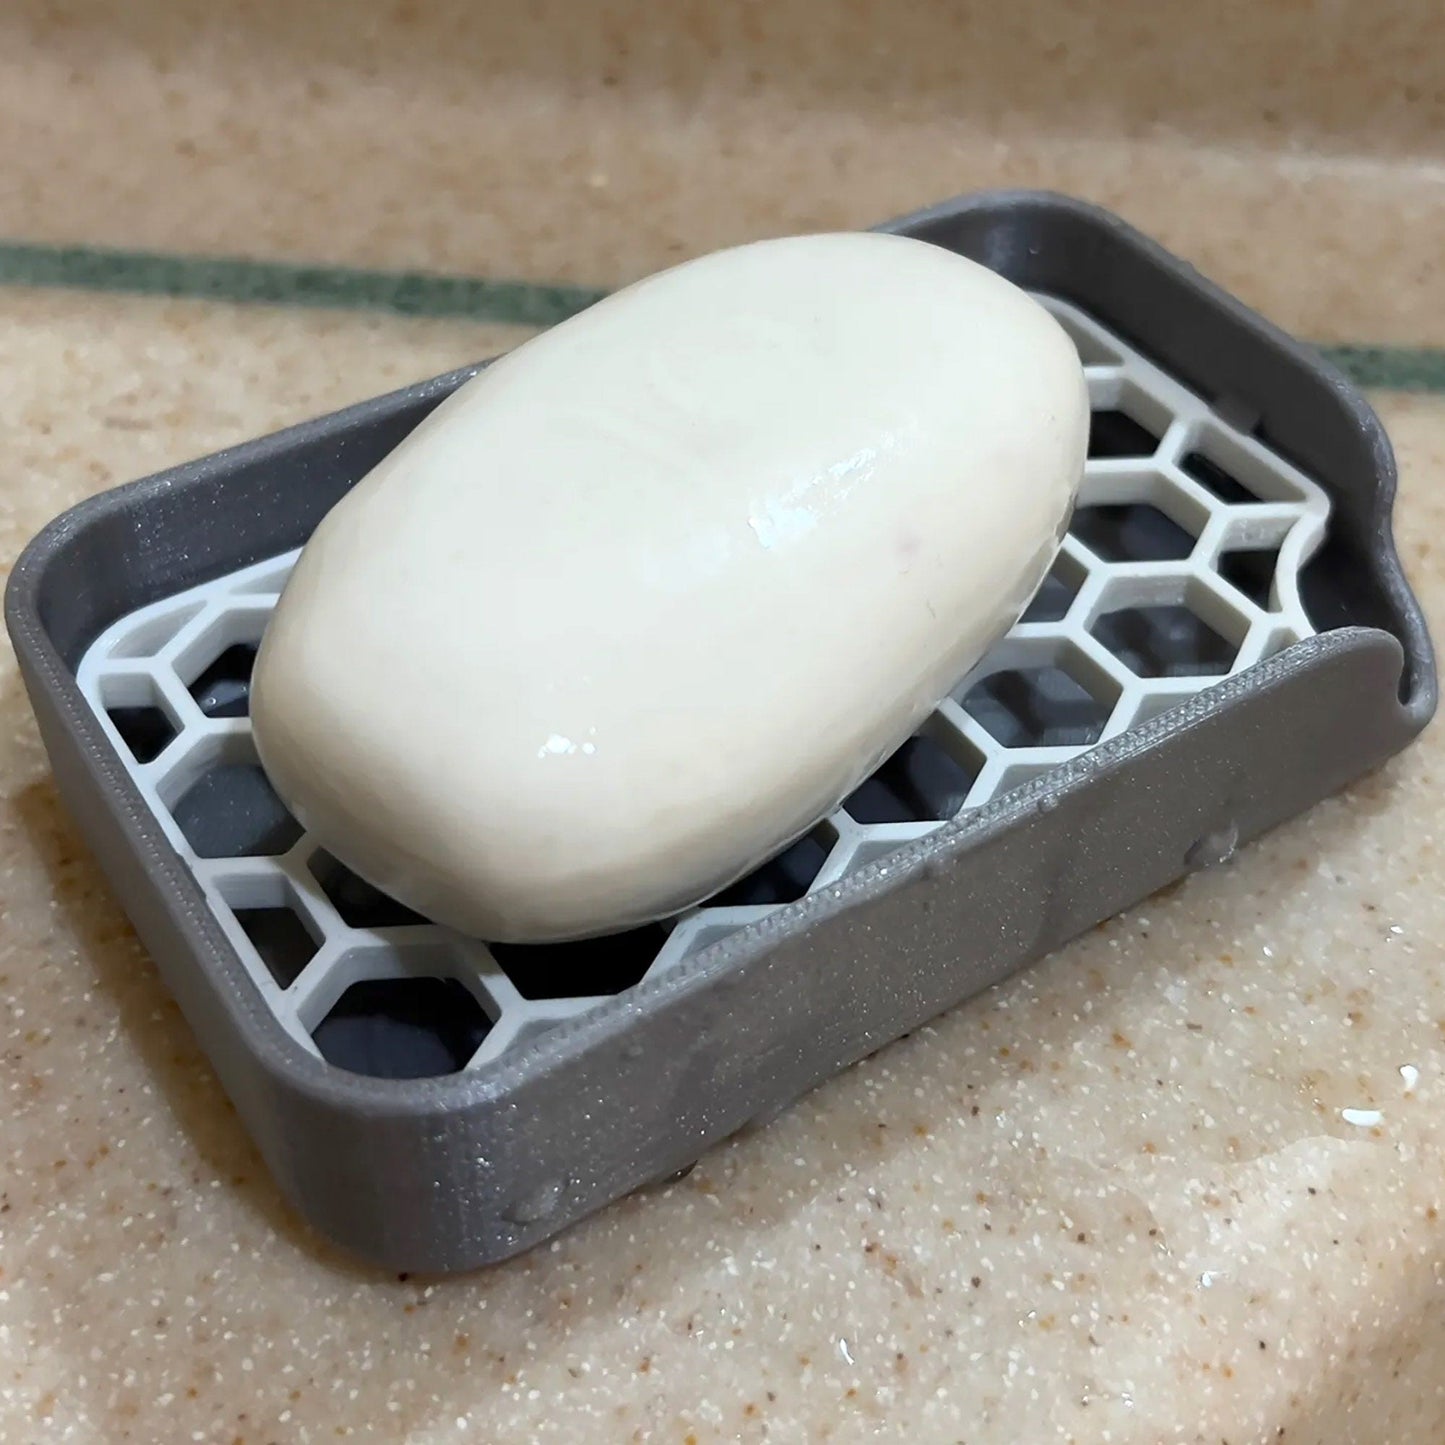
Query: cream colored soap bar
point(649, 596)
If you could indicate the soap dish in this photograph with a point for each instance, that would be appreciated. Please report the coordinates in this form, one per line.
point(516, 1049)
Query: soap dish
point(1225, 638)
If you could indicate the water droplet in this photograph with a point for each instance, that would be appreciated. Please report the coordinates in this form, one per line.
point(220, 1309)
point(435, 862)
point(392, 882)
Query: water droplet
point(537, 1205)
point(1213, 848)
point(1411, 1075)
point(1363, 1118)
point(557, 746)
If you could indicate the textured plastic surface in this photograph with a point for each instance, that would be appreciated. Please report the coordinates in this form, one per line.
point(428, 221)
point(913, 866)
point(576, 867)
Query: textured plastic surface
point(1126, 732)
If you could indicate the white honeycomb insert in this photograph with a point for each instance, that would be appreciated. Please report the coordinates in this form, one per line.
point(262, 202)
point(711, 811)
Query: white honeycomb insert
point(1181, 567)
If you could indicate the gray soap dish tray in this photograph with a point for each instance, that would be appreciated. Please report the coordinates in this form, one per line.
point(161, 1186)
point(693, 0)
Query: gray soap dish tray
point(1225, 638)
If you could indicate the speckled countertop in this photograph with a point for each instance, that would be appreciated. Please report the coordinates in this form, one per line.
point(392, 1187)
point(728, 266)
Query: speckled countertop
point(1120, 1199)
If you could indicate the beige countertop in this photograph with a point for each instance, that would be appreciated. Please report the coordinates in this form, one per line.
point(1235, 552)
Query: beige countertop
point(1117, 1199)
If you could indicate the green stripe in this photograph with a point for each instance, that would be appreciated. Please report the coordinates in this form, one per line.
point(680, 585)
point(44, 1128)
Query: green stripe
point(1394, 368)
point(402, 293)
point(471, 298)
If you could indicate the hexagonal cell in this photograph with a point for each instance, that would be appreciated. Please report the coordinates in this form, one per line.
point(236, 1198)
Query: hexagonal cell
point(216, 665)
point(1125, 420)
point(139, 713)
point(1043, 705)
point(223, 689)
point(146, 731)
point(412, 1027)
point(265, 905)
point(359, 904)
point(224, 804)
point(1236, 474)
point(1114, 433)
point(1164, 641)
point(926, 780)
point(1214, 478)
point(783, 879)
point(1251, 570)
point(582, 968)
point(280, 938)
point(1131, 532)
point(1056, 593)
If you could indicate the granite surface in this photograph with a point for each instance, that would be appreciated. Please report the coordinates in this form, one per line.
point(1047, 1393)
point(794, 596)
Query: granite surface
point(1181, 1182)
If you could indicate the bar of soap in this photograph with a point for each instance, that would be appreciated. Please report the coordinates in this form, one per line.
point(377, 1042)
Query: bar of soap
point(644, 600)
